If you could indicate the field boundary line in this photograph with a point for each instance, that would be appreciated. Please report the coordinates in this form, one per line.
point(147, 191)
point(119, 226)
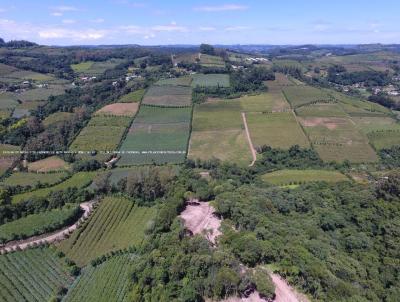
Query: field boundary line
point(253, 151)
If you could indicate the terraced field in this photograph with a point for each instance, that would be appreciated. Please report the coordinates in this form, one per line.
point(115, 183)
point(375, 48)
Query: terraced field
point(37, 224)
point(169, 96)
point(78, 180)
point(211, 61)
point(116, 224)
point(157, 135)
point(182, 81)
point(211, 80)
point(277, 130)
point(132, 97)
point(293, 177)
point(107, 282)
point(33, 275)
point(301, 95)
point(103, 133)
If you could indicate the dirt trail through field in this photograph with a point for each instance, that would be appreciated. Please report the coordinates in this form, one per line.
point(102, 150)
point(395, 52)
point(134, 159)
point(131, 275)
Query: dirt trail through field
point(87, 207)
point(199, 218)
point(253, 151)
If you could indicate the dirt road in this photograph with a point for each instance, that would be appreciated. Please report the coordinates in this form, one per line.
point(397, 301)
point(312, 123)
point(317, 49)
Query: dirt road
point(253, 151)
point(87, 207)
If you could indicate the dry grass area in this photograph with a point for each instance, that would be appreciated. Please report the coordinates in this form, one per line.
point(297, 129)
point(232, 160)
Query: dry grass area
point(49, 164)
point(119, 109)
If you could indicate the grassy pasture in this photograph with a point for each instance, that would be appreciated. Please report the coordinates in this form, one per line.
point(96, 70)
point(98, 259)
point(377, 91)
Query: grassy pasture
point(116, 224)
point(5, 70)
point(97, 68)
point(107, 282)
point(32, 275)
point(218, 131)
point(265, 102)
point(211, 80)
point(278, 130)
point(182, 81)
point(156, 115)
point(40, 94)
point(56, 118)
point(132, 97)
point(7, 101)
point(288, 177)
point(53, 163)
point(82, 67)
point(337, 139)
point(78, 180)
point(7, 159)
point(302, 95)
point(31, 105)
point(357, 107)
point(211, 61)
point(23, 75)
point(103, 133)
point(32, 179)
point(174, 96)
point(20, 113)
point(37, 224)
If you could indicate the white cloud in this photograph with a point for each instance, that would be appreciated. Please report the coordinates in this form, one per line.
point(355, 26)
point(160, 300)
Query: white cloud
point(169, 28)
point(69, 21)
point(56, 14)
point(207, 28)
point(64, 8)
point(237, 28)
point(75, 35)
point(221, 8)
point(98, 20)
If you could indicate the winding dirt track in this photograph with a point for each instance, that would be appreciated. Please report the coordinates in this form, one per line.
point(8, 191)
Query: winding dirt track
point(87, 207)
point(253, 151)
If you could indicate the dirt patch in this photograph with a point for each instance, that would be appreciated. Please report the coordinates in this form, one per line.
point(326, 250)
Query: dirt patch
point(120, 109)
point(284, 292)
point(254, 297)
point(53, 163)
point(253, 151)
point(330, 123)
point(200, 218)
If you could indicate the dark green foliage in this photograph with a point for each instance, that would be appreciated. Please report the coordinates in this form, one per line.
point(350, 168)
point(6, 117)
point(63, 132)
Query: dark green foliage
point(207, 49)
point(388, 188)
point(89, 165)
point(384, 100)
point(369, 78)
point(391, 156)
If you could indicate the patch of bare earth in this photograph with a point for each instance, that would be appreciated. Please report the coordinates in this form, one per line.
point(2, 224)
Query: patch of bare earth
point(284, 292)
point(199, 218)
point(52, 163)
point(120, 109)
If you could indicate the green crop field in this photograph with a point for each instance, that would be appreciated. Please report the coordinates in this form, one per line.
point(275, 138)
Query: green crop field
point(211, 61)
point(211, 80)
point(32, 179)
point(277, 130)
point(357, 107)
point(37, 224)
point(182, 81)
point(21, 75)
point(31, 105)
point(106, 282)
point(103, 133)
point(32, 275)
point(218, 132)
point(82, 67)
point(264, 102)
point(116, 224)
point(174, 96)
point(337, 139)
point(321, 110)
point(157, 135)
point(302, 95)
point(132, 97)
point(56, 118)
point(290, 177)
point(40, 94)
point(78, 180)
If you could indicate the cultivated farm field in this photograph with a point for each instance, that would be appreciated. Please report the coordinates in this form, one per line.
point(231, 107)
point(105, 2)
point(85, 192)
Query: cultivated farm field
point(211, 61)
point(293, 177)
point(32, 275)
point(169, 96)
point(302, 95)
point(32, 179)
point(277, 130)
point(211, 80)
point(181, 81)
point(108, 281)
point(49, 164)
point(116, 224)
point(56, 118)
point(119, 109)
point(103, 133)
point(37, 224)
point(132, 97)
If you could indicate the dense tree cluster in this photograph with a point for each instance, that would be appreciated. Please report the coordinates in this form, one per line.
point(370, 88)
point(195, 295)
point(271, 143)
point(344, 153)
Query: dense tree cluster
point(369, 78)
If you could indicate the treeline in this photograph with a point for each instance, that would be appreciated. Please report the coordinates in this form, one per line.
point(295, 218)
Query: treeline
point(16, 43)
point(384, 100)
point(369, 77)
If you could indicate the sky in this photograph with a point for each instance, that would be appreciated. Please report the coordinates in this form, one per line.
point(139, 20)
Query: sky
point(156, 22)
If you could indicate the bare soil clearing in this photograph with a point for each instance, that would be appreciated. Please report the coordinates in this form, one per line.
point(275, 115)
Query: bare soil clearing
point(120, 109)
point(253, 151)
point(200, 218)
point(87, 207)
point(284, 292)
